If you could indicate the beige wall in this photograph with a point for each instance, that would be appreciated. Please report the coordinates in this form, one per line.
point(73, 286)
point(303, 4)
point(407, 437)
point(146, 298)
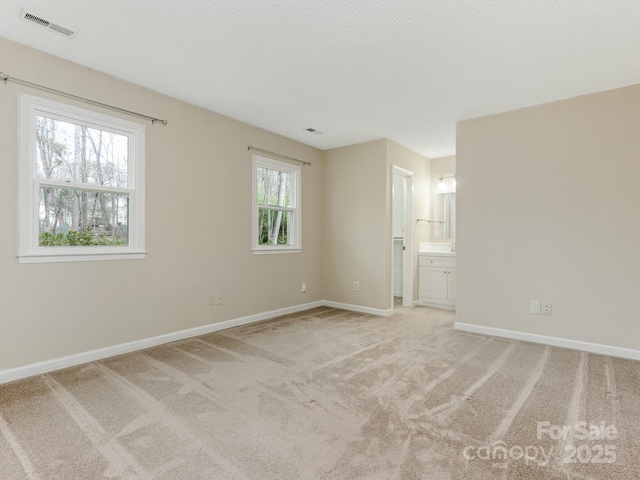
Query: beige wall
point(357, 219)
point(358, 235)
point(198, 182)
point(549, 209)
point(445, 166)
point(402, 157)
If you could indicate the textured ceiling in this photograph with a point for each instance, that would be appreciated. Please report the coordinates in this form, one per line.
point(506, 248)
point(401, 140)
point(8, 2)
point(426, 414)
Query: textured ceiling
point(356, 70)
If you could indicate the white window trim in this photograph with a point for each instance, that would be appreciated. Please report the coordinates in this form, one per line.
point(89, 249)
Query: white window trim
point(296, 180)
point(29, 249)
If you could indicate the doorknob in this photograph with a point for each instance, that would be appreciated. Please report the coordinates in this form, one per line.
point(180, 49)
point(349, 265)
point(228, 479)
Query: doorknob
point(403, 247)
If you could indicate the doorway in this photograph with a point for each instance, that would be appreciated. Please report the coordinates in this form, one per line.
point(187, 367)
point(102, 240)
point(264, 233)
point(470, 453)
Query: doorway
point(402, 237)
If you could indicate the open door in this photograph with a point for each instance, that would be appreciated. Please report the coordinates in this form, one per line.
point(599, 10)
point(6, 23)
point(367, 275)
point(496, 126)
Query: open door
point(402, 233)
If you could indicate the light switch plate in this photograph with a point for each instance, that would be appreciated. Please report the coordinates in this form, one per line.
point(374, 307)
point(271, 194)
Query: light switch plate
point(534, 307)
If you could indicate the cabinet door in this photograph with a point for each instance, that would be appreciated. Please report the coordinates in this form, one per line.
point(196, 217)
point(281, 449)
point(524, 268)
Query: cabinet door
point(433, 283)
point(452, 283)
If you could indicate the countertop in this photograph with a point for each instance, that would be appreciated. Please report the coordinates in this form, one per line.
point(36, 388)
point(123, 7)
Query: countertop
point(437, 254)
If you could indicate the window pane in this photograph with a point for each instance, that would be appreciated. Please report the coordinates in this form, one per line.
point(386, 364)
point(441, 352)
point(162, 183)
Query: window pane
point(273, 188)
point(274, 227)
point(74, 217)
point(76, 153)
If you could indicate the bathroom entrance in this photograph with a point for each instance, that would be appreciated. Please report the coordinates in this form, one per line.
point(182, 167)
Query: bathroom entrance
point(401, 251)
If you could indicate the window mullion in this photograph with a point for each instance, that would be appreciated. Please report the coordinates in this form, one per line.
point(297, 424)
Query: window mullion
point(273, 207)
point(88, 187)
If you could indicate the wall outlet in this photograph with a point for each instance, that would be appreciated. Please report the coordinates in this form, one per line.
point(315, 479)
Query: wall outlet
point(304, 287)
point(356, 286)
point(546, 309)
point(534, 307)
point(218, 299)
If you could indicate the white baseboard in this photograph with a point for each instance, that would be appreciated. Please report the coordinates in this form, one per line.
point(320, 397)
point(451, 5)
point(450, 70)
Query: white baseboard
point(437, 305)
point(101, 353)
point(358, 308)
point(554, 341)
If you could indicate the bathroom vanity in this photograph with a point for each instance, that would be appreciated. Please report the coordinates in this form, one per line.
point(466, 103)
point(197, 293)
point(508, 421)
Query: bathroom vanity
point(437, 279)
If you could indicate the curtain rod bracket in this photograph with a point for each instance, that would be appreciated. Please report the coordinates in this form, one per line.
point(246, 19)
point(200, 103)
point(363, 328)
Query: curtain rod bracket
point(153, 120)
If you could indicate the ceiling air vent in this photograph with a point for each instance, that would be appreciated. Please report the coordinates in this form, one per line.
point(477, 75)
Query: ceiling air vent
point(313, 130)
point(46, 23)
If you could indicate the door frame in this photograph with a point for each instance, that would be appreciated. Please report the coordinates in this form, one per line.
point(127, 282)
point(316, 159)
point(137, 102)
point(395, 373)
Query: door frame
point(407, 242)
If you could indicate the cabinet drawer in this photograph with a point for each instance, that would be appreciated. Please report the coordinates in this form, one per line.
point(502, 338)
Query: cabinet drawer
point(436, 261)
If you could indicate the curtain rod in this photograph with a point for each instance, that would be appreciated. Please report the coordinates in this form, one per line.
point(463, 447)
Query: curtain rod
point(6, 78)
point(251, 147)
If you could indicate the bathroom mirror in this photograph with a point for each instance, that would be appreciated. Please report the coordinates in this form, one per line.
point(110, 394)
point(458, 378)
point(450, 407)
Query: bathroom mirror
point(444, 213)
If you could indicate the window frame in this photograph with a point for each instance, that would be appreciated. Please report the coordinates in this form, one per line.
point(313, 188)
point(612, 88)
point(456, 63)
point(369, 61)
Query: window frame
point(29, 189)
point(296, 206)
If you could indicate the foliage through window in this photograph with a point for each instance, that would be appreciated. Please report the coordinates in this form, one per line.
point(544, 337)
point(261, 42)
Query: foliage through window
point(276, 215)
point(81, 188)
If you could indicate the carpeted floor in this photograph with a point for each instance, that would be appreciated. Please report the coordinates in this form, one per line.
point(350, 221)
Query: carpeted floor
point(329, 394)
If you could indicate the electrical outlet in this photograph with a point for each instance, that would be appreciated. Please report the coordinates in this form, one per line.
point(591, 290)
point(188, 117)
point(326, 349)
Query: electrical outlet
point(304, 287)
point(546, 309)
point(356, 286)
point(218, 299)
point(534, 307)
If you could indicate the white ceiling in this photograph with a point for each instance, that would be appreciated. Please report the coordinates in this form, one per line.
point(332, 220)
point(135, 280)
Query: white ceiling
point(356, 70)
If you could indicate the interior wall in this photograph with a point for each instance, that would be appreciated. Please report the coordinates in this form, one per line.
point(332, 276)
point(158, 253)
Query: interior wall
point(356, 239)
point(403, 157)
point(445, 166)
point(548, 209)
point(198, 226)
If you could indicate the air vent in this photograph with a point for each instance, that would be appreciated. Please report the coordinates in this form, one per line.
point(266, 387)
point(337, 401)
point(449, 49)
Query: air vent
point(30, 17)
point(313, 130)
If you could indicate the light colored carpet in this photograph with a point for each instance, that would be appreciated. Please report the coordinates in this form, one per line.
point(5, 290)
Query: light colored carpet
point(327, 394)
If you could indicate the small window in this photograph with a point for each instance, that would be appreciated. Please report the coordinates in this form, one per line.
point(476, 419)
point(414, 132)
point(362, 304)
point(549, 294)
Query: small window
point(81, 184)
point(276, 207)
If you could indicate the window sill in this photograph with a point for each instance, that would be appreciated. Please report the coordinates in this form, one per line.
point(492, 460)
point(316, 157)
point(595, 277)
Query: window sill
point(81, 257)
point(276, 252)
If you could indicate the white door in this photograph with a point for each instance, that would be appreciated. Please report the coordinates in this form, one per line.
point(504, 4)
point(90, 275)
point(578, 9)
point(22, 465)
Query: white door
point(401, 227)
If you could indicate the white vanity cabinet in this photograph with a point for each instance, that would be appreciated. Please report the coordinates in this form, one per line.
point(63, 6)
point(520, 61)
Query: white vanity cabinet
point(437, 279)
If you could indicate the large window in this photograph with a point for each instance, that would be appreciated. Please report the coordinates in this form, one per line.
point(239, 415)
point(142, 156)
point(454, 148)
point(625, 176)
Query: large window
point(81, 184)
point(276, 206)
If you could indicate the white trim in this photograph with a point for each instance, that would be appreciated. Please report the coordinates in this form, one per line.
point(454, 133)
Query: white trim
point(272, 252)
point(407, 250)
point(554, 341)
point(122, 348)
point(82, 257)
point(443, 306)
point(402, 171)
point(358, 308)
point(106, 352)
